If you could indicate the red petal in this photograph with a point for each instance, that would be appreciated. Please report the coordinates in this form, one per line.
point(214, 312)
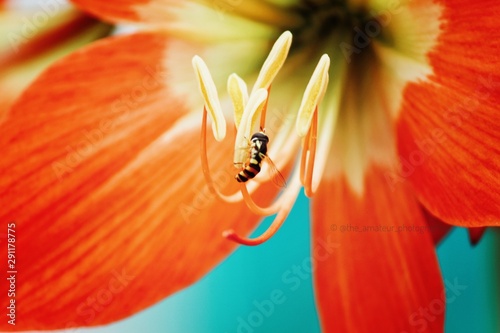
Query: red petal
point(438, 228)
point(449, 127)
point(106, 190)
point(368, 279)
point(475, 234)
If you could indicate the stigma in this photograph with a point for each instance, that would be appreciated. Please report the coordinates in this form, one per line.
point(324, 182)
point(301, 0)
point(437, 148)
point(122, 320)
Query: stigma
point(252, 143)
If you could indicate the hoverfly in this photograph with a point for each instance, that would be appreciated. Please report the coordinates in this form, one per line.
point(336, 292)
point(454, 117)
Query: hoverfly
point(257, 154)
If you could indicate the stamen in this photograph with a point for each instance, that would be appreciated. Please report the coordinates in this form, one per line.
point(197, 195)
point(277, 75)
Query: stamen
point(209, 93)
point(247, 109)
point(274, 61)
point(313, 95)
point(307, 121)
point(238, 92)
point(256, 209)
point(247, 123)
point(287, 201)
point(264, 111)
point(309, 155)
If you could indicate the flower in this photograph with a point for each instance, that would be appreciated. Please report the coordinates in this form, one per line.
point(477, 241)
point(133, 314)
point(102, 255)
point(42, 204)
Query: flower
point(112, 158)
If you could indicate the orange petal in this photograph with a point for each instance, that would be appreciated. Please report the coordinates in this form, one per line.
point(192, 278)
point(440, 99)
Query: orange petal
point(385, 277)
point(115, 10)
point(449, 128)
point(100, 173)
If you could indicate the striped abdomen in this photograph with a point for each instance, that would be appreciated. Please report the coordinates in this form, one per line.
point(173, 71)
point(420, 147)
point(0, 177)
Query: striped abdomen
point(257, 154)
point(252, 169)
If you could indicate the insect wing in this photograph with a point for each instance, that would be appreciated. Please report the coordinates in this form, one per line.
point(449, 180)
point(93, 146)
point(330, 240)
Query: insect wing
point(276, 175)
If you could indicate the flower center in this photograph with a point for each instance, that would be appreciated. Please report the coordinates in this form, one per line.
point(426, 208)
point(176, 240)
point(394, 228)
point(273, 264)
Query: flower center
point(376, 51)
point(322, 19)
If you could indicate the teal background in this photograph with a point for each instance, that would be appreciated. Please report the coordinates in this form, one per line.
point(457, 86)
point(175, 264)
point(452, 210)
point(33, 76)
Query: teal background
point(214, 304)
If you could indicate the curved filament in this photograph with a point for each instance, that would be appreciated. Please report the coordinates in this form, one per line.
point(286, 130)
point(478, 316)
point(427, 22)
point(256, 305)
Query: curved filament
point(309, 155)
point(287, 200)
point(256, 209)
point(236, 197)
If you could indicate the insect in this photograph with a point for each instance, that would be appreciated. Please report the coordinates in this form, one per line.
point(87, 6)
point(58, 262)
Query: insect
point(257, 154)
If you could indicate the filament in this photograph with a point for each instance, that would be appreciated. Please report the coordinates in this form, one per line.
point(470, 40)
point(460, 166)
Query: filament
point(236, 197)
point(309, 155)
point(287, 200)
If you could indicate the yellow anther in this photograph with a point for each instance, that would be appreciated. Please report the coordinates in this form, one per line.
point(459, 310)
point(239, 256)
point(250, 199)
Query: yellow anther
point(274, 61)
point(238, 92)
point(209, 93)
point(313, 95)
point(248, 121)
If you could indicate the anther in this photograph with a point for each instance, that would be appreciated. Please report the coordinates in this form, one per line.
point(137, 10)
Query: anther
point(247, 123)
point(238, 92)
point(274, 61)
point(209, 93)
point(307, 121)
point(313, 95)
